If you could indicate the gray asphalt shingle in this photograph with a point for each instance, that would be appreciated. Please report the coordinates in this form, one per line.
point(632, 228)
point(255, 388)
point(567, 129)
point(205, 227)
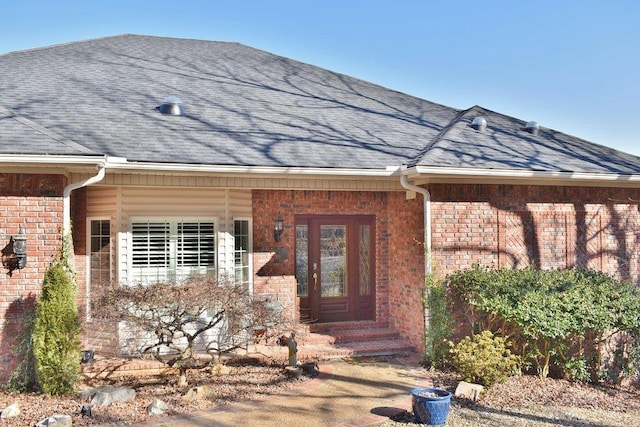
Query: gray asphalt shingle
point(245, 106)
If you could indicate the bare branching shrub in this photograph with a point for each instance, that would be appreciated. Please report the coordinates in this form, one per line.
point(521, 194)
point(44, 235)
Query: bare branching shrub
point(179, 323)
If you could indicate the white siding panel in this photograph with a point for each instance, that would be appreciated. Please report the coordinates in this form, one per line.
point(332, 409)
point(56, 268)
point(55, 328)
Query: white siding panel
point(240, 203)
point(140, 201)
point(102, 201)
point(223, 204)
point(248, 182)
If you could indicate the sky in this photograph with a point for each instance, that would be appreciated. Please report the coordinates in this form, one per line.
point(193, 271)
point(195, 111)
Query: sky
point(571, 65)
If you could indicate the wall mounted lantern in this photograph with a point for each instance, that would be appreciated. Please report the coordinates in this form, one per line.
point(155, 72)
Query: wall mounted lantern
point(277, 228)
point(20, 248)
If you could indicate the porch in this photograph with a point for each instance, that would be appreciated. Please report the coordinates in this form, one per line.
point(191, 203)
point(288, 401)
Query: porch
point(316, 342)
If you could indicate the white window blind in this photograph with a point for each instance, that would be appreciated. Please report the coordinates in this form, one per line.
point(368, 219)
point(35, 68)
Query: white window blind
point(172, 249)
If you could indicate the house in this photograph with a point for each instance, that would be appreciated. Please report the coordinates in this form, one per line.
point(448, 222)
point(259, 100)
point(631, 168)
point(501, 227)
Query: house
point(166, 157)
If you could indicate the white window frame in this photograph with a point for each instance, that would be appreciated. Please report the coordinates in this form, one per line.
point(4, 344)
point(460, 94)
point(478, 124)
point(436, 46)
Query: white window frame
point(249, 248)
point(172, 272)
point(89, 279)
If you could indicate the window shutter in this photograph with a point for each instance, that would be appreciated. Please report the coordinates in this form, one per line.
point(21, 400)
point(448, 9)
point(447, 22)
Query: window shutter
point(151, 244)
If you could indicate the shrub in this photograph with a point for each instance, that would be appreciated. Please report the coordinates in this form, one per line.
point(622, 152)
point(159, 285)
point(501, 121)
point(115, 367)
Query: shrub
point(440, 327)
point(484, 358)
point(56, 332)
point(175, 321)
point(556, 320)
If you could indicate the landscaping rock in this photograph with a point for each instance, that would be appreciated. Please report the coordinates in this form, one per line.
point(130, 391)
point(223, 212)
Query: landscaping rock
point(220, 369)
point(104, 396)
point(57, 420)
point(469, 390)
point(157, 407)
point(197, 393)
point(86, 411)
point(10, 411)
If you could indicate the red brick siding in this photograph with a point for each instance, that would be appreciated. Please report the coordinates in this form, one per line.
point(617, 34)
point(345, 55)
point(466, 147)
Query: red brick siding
point(500, 225)
point(407, 263)
point(35, 202)
point(397, 255)
point(546, 226)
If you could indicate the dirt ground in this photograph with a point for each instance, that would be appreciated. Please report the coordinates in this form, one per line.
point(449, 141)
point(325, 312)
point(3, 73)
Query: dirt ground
point(521, 401)
point(532, 401)
point(243, 382)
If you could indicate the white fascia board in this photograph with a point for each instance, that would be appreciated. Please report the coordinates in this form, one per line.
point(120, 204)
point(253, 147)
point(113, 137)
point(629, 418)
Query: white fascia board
point(246, 170)
point(11, 163)
point(50, 160)
point(507, 174)
point(119, 163)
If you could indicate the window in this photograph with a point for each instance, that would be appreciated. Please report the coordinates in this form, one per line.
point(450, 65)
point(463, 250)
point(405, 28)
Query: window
point(100, 251)
point(100, 268)
point(302, 259)
point(241, 263)
point(172, 249)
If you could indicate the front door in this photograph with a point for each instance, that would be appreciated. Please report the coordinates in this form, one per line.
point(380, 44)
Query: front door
point(335, 267)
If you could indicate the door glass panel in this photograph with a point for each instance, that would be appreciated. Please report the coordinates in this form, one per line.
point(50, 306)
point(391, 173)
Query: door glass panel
point(302, 259)
point(365, 260)
point(333, 250)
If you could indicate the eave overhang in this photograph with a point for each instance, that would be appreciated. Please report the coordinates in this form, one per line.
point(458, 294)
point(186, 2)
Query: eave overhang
point(179, 168)
point(26, 163)
point(422, 175)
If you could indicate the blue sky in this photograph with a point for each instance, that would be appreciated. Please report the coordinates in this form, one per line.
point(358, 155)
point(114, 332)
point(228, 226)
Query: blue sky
point(571, 65)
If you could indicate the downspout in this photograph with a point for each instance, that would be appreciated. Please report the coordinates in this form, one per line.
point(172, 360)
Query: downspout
point(428, 345)
point(427, 219)
point(66, 197)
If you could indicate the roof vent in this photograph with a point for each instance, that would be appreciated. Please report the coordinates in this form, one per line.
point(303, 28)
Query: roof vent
point(172, 106)
point(479, 123)
point(532, 127)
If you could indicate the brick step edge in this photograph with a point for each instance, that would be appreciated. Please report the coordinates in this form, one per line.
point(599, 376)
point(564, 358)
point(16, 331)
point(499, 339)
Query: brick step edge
point(347, 336)
point(328, 351)
point(334, 327)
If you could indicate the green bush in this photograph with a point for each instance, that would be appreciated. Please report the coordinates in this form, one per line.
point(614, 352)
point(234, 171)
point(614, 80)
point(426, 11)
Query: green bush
point(440, 327)
point(484, 359)
point(56, 332)
point(557, 320)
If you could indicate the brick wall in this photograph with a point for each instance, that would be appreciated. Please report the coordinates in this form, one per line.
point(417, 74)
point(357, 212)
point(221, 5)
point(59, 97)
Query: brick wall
point(549, 227)
point(493, 225)
point(34, 202)
point(407, 263)
point(397, 253)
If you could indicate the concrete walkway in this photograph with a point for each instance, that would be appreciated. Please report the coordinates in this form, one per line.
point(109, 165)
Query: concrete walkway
point(348, 392)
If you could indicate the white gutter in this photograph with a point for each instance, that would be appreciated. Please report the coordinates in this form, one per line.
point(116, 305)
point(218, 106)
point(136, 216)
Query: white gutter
point(21, 159)
point(447, 172)
point(66, 197)
point(267, 170)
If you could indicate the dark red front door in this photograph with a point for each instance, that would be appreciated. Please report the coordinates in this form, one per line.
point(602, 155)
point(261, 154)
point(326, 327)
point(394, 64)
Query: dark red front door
point(335, 267)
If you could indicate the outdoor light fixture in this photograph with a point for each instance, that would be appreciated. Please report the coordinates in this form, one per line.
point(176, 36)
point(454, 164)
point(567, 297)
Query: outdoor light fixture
point(277, 229)
point(20, 248)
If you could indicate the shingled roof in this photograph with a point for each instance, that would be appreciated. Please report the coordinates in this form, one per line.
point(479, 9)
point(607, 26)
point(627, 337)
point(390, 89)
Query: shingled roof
point(247, 107)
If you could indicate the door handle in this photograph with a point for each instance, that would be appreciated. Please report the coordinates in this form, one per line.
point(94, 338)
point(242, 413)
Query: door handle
point(315, 281)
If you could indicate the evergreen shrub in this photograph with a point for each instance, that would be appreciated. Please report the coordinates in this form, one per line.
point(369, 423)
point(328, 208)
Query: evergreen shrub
point(56, 332)
point(484, 358)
